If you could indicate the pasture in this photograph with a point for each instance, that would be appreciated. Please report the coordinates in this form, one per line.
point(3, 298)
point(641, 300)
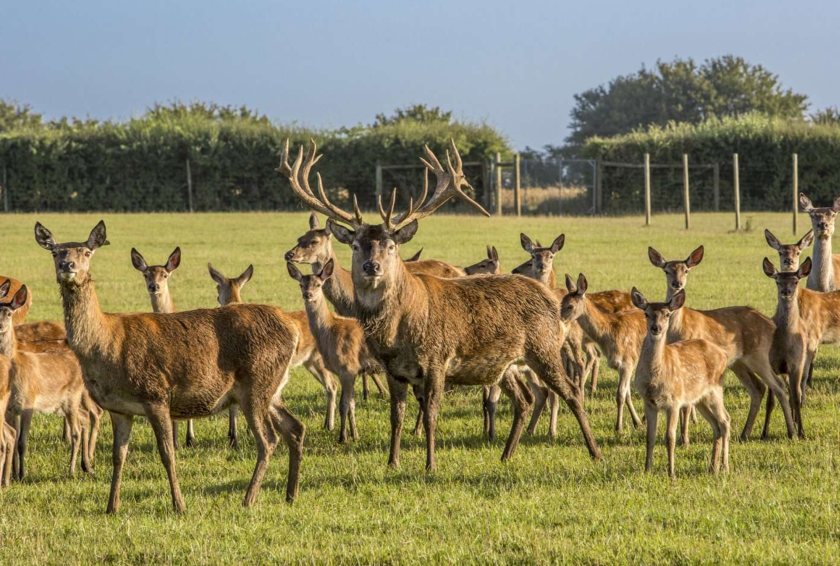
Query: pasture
point(779, 503)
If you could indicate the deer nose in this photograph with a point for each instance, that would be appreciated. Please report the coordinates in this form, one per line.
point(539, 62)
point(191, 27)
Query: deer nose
point(154, 287)
point(655, 329)
point(66, 265)
point(372, 267)
point(290, 255)
point(822, 225)
point(676, 284)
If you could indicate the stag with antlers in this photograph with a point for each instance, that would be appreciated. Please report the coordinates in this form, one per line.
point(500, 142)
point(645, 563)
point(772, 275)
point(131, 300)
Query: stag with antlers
point(425, 330)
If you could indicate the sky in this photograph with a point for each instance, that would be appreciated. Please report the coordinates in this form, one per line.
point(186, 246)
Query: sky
point(513, 65)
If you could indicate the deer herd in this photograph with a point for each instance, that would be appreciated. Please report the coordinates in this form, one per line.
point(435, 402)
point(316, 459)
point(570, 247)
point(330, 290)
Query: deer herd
point(422, 324)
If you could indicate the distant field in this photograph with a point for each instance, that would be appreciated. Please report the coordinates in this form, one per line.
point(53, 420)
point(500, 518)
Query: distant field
point(780, 503)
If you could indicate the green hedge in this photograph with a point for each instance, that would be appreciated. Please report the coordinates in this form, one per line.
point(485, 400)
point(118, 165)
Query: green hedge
point(764, 146)
point(140, 165)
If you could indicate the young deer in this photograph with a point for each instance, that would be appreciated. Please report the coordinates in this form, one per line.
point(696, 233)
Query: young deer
point(14, 286)
point(181, 365)
point(157, 284)
point(682, 374)
point(46, 382)
point(229, 292)
point(789, 253)
point(340, 341)
point(804, 320)
point(744, 333)
point(542, 258)
point(427, 330)
point(489, 266)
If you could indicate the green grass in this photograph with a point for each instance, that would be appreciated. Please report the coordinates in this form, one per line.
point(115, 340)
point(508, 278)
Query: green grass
point(780, 503)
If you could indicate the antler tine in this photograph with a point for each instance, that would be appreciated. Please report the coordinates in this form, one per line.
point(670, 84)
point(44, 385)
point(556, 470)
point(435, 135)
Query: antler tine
point(337, 213)
point(356, 210)
point(387, 215)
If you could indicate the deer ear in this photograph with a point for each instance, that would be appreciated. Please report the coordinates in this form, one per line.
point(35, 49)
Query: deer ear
point(215, 275)
point(695, 258)
point(677, 301)
point(294, 272)
point(4, 288)
point(494, 254)
point(137, 260)
point(806, 240)
point(805, 268)
point(769, 268)
point(557, 244)
point(638, 299)
point(526, 243)
point(327, 270)
point(772, 241)
point(835, 206)
point(405, 233)
point(20, 298)
point(44, 237)
point(245, 276)
point(174, 260)
point(655, 257)
point(342, 234)
point(805, 203)
point(313, 222)
point(97, 239)
point(570, 285)
point(582, 284)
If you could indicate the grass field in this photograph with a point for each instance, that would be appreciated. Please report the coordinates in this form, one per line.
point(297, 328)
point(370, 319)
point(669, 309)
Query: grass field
point(780, 503)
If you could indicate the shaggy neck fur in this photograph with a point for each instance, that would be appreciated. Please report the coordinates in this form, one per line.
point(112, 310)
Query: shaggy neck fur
point(821, 277)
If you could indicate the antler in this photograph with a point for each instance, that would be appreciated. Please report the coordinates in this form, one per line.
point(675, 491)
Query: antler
point(298, 175)
point(449, 184)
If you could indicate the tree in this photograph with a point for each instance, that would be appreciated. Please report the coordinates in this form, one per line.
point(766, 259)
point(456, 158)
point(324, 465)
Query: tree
point(14, 116)
point(827, 116)
point(681, 91)
point(415, 113)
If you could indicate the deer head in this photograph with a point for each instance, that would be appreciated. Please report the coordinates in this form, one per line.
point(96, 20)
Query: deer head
point(676, 272)
point(572, 306)
point(156, 276)
point(542, 258)
point(376, 246)
point(313, 247)
point(228, 289)
point(789, 253)
point(787, 282)
point(72, 259)
point(311, 286)
point(490, 265)
point(7, 310)
point(658, 315)
point(822, 219)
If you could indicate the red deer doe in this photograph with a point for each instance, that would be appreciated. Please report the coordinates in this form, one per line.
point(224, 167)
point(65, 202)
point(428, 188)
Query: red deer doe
point(679, 375)
point(744, 333)
point(182, 365)
point(14, 287)
point(426, 330)
point(157, 284)
point(44, 382)
point(340, 341)
point(229, 292)
point(789, 253)
point(804, 320)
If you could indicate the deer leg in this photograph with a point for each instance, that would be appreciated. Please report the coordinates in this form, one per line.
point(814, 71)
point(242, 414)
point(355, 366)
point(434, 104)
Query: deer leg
point(351, 408)
point(161, 421)
point(23, 442)
point(768, 410)
point(755, 389)
point(121, 425)
point(398, 393)
point(762, 368)
point(260, 422)
point(704, 407)
point(175, 434)
point(94, 420)
point(233, 434)
point(8, 457)
point(292, 431)
point(316, 367)
point(522, 399)
point(672, 415)
point(485, 397)
point(365, 391)
point(75, 437)
point(84, 424)
point(553, 413)
point(435, 380)
point(596, 367)
point(540, 393)
point(421, 401)
point(380, 386)
point(685, 421)
point(190, 440)
point(651, 414)
point(66, 432)
point(494, 392)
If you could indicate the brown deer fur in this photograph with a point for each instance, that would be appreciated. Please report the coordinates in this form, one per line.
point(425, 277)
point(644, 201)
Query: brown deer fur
point(804, 320)
point(45, 382)
point(744, 333)
point(340, 341)
point(7, 433)
point(229, 291)
point(426, 330)
point(15, 286)
point(789, 253)
point(181, 365)
point(682, 374)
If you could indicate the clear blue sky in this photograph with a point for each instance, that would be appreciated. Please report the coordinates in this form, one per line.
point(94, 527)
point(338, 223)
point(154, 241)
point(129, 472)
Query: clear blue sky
point(515, 65)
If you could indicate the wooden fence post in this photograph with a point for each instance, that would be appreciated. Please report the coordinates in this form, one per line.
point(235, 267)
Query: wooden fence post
point(498, 169)
point(686, 202)
point(647, 189)
point(378, 180)
point(736, 185)
point(716, 185)
point(517, 195)
point(5, 190)
point(189, 187)
point(795, 190)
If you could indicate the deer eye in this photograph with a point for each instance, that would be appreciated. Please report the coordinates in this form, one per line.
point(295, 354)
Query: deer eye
point(87, 253)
